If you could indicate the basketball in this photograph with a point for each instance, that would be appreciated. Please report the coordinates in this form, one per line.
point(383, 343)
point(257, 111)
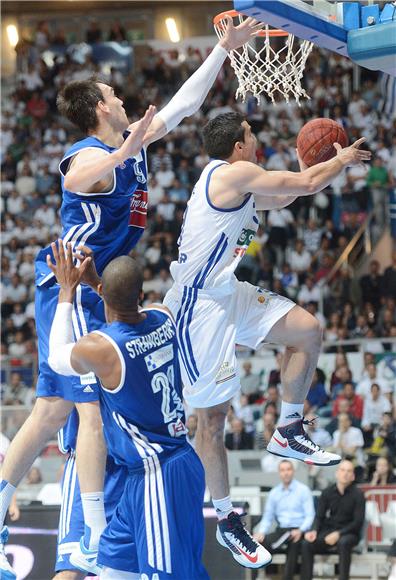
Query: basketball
point(316, 138)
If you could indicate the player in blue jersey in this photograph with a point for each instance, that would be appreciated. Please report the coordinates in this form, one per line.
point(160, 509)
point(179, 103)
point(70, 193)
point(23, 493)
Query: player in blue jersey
point(103, 177)
point(71, 518)
point(135, 357)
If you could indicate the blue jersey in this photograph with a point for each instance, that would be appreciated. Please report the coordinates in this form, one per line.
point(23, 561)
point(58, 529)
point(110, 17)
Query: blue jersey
point(110, 223)
point(144, 416)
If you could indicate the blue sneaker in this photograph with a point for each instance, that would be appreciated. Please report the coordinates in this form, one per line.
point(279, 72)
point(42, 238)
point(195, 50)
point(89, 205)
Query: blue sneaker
point(232, 534)
point(6, 572)
point(292, 441)
point(85, 560)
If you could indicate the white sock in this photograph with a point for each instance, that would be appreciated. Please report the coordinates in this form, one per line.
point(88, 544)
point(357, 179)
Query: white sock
point(7, 490)
point(94, 518)
point(223, 507)
point(290, 412)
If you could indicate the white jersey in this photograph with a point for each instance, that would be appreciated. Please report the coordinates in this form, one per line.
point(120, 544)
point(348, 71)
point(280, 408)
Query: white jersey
point(212, 240)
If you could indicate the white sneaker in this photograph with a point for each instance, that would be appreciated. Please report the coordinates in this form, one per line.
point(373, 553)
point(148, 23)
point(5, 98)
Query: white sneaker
point(292, 441)
point(6, 572)
point(232, 534)
point(85, 560)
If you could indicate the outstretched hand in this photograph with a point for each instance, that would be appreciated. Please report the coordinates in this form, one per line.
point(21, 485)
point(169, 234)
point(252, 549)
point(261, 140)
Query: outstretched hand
point(352, 155)
point(68, 275)
point(236, 36)
point(90, 275)
point(134, 142)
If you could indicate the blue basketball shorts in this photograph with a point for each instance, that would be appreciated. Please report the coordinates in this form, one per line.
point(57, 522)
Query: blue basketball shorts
point(157, 529)
point(88, 315)
point(71, 519)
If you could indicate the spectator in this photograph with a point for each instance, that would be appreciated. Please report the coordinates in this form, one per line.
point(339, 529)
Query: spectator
point(250, 382)
point(275, 374)
point(319, 435)
point(375, 405)
point(371, 284)
point(390, 277)
point(117, 32)
point(94, 32)
point(317, 396)
point(363, 388)
point(279, 222)
point(273, 399)
point(338, 523)
point(355, 402)
point(309, 292)
point(245, 412)
point(265, 429)
point(238, 438)
point(191, 425)
point(290, 505)
point(383, 474)
point(347, 440)
point(34, 476)
point(300, 259)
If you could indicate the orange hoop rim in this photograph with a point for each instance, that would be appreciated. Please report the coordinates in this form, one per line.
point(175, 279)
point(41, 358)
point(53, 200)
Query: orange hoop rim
point(274, 32)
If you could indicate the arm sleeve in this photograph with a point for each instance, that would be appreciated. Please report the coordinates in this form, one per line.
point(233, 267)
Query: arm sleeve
point(356, 525)
point(265, 523)
point(191, 95)
point(61, 340)
point(309, 511)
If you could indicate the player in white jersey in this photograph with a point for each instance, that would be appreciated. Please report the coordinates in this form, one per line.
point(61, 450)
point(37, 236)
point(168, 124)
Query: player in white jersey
point(214, 310)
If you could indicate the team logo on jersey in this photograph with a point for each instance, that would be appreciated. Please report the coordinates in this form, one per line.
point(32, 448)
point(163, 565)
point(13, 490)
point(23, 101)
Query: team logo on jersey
point(88, 379)
point(139, 205)
point(159, 357)
point(245, 237)
point(225, 373)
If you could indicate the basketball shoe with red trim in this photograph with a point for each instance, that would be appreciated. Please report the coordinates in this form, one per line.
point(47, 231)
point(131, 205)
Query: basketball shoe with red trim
point(232, 534)
point(292, 441)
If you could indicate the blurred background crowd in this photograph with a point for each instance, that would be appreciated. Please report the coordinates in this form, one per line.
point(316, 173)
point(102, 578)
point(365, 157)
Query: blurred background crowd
point(299, 251)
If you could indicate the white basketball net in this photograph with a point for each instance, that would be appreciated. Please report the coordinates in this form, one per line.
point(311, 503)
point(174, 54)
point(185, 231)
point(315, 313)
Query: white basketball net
point(269, 71)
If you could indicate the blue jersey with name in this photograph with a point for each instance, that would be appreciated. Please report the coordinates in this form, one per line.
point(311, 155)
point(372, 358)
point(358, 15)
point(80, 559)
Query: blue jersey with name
point(144, 416)
point(110, 223)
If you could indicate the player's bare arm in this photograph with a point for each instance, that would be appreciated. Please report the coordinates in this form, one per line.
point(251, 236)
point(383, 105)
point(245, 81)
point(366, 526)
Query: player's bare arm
point(91, 353)
point(91, 171)
point(192, 94)
point(230, 184)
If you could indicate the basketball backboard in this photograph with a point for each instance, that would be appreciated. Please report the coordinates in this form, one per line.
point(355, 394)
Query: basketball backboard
point(364, 32)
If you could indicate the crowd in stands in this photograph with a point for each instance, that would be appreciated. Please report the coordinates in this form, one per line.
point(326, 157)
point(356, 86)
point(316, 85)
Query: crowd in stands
point(293, 253)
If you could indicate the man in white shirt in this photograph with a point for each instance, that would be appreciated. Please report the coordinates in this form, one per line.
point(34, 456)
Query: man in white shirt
point(309, 292)
point(300, 258)
point(374, 407)
point(348, 440)
point(363, 388)
point(290, 505)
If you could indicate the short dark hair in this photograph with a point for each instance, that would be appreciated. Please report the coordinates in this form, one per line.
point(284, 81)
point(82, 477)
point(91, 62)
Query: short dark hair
point(122, 282)
point(78, 100)
point(221, 133)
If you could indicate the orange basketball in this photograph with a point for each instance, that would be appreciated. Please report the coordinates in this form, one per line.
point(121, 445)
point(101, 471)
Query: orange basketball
point(315, 140)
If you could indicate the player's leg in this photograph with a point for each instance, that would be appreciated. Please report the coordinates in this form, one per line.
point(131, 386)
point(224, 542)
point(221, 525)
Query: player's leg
point(265, 316)
point(91, 456)
point(300, 332)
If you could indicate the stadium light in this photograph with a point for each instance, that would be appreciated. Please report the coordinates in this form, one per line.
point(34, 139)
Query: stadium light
point(172, 29)
point(13, 36)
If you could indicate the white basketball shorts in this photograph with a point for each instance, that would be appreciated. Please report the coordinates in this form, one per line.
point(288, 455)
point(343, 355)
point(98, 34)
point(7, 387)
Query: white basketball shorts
point(209, 325)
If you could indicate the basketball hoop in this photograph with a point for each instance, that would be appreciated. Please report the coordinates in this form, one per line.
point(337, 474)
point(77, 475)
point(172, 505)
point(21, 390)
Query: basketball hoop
point(268, 70)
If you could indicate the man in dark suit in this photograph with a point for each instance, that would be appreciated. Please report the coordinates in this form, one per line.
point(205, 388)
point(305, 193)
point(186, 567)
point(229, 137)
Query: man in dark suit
point(338, 523)
point(238, 438)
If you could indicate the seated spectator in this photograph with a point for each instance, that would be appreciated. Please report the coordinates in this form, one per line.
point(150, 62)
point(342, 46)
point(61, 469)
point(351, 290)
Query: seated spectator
point(300, 260)
point(383, 474)
point(355, 408)
point(289, 281)
point(250, 382)
point(371, 284)
point(272, 398)
point(15, 391)
point(290, 506)
point(34, 476)
point(338, 523)
point(245, 412)
point(275, 374)
point(343, 407)
point(309, 292)
point(265, 429)
point(347, 440)
point(316, 396)
point(191, 426)
point(238, 438)
point(363, 388)
point(374, 407)
point(341, 376)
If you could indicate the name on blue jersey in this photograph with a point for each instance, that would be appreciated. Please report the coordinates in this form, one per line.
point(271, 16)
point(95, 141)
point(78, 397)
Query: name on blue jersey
point(156, 338)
